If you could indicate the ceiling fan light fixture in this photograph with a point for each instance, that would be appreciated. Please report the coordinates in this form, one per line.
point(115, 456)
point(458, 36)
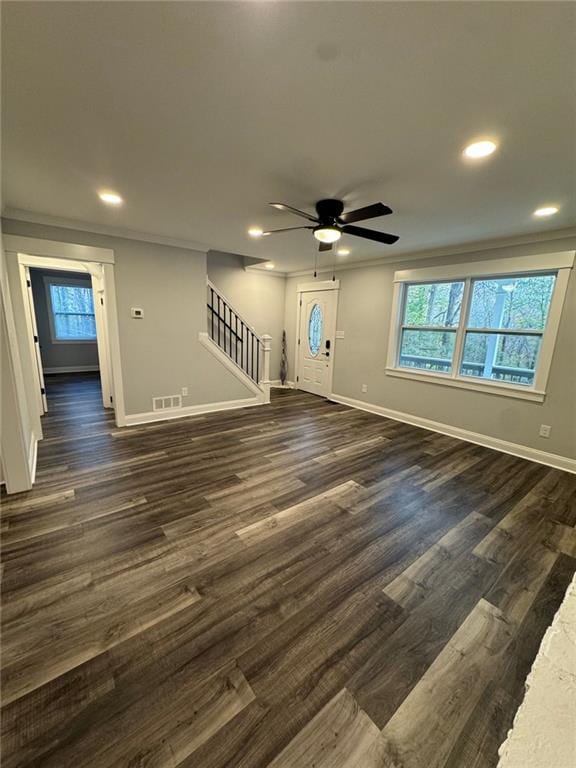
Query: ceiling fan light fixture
point(327, 234)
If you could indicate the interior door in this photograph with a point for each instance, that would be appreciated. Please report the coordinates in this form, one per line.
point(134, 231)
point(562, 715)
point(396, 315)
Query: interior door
point(31, 314)
point(316, 341)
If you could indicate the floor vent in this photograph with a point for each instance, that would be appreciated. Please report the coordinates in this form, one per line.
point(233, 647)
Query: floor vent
point(162, 403)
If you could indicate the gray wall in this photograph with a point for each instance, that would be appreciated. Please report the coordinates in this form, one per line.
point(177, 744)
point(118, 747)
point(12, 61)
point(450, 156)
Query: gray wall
point(259, 297)
point(360, 358)
point(161, 352)
point(64, 355)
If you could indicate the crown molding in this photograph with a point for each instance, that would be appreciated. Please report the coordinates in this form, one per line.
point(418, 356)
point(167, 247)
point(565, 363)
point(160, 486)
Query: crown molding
point(32, 217)
point(268, 272)
point(463, 249)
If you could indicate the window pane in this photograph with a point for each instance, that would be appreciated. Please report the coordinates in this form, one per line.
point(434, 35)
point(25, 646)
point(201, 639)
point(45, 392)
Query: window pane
point(82, 327)
point(511, 302)
point(315, 329)
point(433, 304)
point(72, 312)
point(428, 350)
point(501, 357)
point(71, 298)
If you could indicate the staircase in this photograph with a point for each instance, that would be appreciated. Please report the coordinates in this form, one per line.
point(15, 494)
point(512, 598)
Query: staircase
point(238, 341)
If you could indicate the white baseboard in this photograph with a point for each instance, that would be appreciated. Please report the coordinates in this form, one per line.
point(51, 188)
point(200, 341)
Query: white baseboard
point(73, 369)
point(522, 451)
point(277, 384)
point(190, 410)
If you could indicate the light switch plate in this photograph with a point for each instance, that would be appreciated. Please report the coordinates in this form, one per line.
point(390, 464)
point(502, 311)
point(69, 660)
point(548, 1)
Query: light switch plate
point(137, 312)
point(339, 334)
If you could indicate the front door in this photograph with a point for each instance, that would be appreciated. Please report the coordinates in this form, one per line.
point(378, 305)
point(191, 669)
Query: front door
point(316, 341)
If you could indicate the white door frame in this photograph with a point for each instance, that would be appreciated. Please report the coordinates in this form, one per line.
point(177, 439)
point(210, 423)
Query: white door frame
point(97, 279)
point(32, 327)
point(318, 285)
point(99, 263)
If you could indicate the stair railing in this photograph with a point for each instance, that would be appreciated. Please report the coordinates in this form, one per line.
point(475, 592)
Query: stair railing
point(236, 338)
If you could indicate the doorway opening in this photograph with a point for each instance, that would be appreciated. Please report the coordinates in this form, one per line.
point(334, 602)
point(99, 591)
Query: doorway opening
point(66, 323)
point(316, 327)
point(67, 348)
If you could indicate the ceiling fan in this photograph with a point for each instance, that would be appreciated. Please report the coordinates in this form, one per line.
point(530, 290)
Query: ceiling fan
point(330, 222)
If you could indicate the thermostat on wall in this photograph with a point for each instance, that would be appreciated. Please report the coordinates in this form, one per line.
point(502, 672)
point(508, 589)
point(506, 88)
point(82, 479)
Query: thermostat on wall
point(137, 312)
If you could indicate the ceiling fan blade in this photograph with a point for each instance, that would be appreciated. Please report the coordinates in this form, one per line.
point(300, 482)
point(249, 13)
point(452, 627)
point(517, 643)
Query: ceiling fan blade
point(369, 212)
point(286, 229)
point(284, 207)
point(325, 247)
point(371, 234)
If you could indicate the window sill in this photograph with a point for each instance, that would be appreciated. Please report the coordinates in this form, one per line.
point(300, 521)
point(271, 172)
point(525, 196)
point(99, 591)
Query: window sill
point(488, 387)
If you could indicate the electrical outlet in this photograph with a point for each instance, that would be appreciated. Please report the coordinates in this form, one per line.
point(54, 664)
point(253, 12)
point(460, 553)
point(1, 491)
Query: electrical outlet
point(364, 387)
point(545, 430)
point(184, 391)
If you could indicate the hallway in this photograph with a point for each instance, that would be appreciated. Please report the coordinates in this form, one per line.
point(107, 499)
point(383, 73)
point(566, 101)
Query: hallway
point(287, 585)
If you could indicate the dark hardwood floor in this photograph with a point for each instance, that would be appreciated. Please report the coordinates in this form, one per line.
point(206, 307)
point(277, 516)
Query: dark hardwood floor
point(293, 585)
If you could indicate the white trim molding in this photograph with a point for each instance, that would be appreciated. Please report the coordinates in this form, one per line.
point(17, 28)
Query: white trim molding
point(511, 265)
point(49, 280)
point(132, 419)
point(474, 249)
point(34, 246)
point(33, 458)
point(477, 385)
point(560, 264)
point(261, 390)
point(45, 219)
point(514, 449)
point(99, 264)
point(72, 369)
point(319, 285)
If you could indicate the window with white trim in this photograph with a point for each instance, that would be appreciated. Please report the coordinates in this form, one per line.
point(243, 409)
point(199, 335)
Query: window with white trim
point(71, 310)
point(490, 330)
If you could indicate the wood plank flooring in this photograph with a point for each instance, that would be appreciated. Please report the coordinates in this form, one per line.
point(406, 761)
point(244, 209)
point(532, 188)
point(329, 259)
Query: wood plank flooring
point(294, 585)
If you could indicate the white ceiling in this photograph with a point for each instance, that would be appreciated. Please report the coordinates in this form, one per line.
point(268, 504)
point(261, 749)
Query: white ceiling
point(201, 113)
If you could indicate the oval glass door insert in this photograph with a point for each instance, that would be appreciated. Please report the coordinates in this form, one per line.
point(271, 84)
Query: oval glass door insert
point(315, 329)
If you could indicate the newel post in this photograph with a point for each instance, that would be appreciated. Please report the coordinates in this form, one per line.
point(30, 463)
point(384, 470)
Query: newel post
point(265, 381)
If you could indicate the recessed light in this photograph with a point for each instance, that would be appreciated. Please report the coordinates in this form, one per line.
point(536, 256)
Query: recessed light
point(110, 198)
point(480, 149)
point(547, 210)
point(269, 265)
point(255, 232)
point(343, 252)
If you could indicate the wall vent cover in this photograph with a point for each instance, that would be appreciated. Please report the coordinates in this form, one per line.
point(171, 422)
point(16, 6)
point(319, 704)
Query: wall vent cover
point(163, 403)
